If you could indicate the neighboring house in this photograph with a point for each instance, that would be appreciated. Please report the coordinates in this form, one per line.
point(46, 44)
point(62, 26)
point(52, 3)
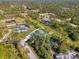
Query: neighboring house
point(67, 55)
point(20, 28)
point(6, 40)
point(46, 21)
point(70, 55)
point(23, 14)
point(37, 10)
point(9, 16)
point(42, 15)
point(73, 25)
point(60, 56)
point(10, 20)
point(69, 19)
point(52, 15)
point(58, 20)
point(49, 15)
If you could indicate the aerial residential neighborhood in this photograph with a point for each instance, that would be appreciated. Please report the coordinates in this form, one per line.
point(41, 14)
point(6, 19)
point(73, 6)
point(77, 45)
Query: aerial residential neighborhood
point(39, 29)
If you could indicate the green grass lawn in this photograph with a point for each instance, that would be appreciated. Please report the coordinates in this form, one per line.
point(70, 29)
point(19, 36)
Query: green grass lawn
point(1, 51)
point(21, 35)
point(8, 51)
point(2, 22)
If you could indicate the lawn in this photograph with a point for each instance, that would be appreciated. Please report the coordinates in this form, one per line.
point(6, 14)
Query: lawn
point(2, 22)
point(8, 51)
point(21, 35)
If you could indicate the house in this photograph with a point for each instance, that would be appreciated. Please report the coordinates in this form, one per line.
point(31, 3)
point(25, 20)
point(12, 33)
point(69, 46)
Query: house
point(24, 14)
point(42, 15)
point(37, 10)
point(73, 25)
point(49, 15)
point(60, 56)
point(70, 55)
point(46, 21)
point(21, 28)
point(16, 30)
point(6, 40)
point(67, 55)
point(10, 20)
point(69, 19)
point(9, 16)
point(52, 15)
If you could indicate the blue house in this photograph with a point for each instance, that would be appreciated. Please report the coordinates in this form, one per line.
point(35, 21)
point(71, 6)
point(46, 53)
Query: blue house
point(20, 28)
point(46, 19)
point(23, 27)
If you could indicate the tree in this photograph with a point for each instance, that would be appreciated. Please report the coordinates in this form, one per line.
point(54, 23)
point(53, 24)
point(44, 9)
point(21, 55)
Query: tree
point(40, 41)
point(34, 15)
point(73, 35)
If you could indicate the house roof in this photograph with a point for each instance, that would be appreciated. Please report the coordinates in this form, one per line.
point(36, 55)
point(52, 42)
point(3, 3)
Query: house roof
point(67, 55)
point(21, 28)
point(41, 32)
point(46, 19)
point(6, 39)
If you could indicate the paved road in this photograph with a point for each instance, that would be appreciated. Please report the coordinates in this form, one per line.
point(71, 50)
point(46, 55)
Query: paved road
point(26, 46)
point(30, 53)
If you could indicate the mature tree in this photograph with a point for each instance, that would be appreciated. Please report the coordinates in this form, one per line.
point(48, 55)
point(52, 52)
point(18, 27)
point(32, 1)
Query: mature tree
point(40, 41)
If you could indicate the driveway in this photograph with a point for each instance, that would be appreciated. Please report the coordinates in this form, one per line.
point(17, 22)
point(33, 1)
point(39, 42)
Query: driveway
point(26, 46)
